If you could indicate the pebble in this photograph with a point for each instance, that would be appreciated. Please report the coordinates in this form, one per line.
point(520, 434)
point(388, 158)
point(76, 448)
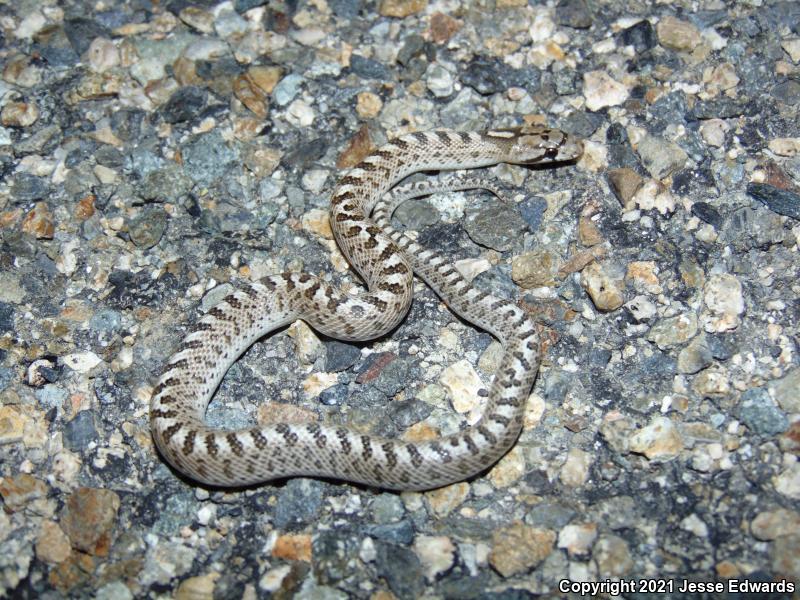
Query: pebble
point(299, 113)
point(603, 286)
point(495, 226)
point(707, 213)
point(298, 504)
point(89, 519)
point(464, 386)
point(784, 554)
point(273, 578)
point(673, 331)
point(510, 469)
point(769, 525)
point(367, 68)
point(439, 81)
point(720, 78)
point(783, 202)
point(401, 8)
point(602, 91)
point(577, 539)
point(677, 34)
point(788, 482)
point(792, 47)
point(490, 76)
point(229, 23)
point(535, 269)
point(442, 501)
point(612, 556)
point(19, 114)
point(286, 89)
point(388, 508)
point(102, 55)
point(20, 71)
point(52, 544)
point(625, 183)
point(722, 295)
point(661, 157)
point(368, 105)
point(251, 95)
point(436, 553)
point(575, 470)
point(200, 587)
point(401, 569)
point(443, 27)
point(759, 412)
point(81, 362)
point(694, 525)
point(166, 561)
point(695, 357)
point(784, 390)
point(199, 19)
point(19, 491)
point(116, 590)
point(39, 222)
point(712, 382)
point(293, 547)
point(518, 548)
point(660, 440)
point(80, 431)
point(81, 31)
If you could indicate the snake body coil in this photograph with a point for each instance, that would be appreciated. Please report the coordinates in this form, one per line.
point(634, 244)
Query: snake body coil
point(385, 260)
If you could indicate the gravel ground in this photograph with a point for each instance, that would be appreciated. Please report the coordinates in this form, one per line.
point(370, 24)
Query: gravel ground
point(155, 154)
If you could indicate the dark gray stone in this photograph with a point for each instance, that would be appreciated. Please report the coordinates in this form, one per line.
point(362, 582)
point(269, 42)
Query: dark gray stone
point(706, 212)
point(746, 228)
point(298, 504)
point(787, 92)
point(169, 184)
point(416, 214)
point(208, 157)
point(550, 515)
point(724, 108)
point(532, 210)
point(80, 431)
point(346, 9)
point(367, 68)
point(334, 395)
point(148, 226)
point(306, 154)
point(413, 46)
point(495, 225)
point(574, 13)
point(401, 569)
point(26, 188)
point(400, 532)
point(582, 124)
point(110, 157)
point(783, 202)
point(491, 75)
point(760, 413)
point(641, 36)
point(335, 555)
point(185, 104)
point(81, 31)
point(340, 356)
point(6, 317)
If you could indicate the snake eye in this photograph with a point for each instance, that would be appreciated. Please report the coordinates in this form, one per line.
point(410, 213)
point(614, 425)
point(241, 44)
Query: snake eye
point(551, 153)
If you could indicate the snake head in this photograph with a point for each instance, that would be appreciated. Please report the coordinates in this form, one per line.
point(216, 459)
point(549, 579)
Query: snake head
point(532, 144)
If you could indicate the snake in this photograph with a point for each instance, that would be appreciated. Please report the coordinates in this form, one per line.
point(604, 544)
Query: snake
point(386, 260)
